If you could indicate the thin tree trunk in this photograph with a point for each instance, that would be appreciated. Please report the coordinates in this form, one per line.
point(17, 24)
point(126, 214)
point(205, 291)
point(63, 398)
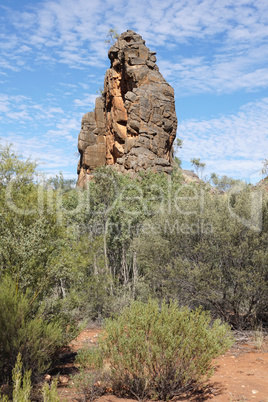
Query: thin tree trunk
point(124, 266)
point(135, 274)
point(107, 266)
point(62, 287)
point(95, 266)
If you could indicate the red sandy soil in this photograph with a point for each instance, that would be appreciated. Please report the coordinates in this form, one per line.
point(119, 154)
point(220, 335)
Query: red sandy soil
point(240, 375)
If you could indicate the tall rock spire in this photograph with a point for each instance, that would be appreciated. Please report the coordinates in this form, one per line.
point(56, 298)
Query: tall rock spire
point(134, 123)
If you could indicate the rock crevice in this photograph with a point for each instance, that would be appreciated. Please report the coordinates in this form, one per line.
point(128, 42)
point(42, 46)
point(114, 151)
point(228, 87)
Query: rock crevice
point(134, 123)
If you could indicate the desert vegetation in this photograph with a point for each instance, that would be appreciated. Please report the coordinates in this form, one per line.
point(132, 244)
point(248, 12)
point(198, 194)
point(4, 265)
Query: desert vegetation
point(153, 351)
point(163, 261)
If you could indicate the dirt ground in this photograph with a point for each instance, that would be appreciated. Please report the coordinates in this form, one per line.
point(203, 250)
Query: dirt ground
point(240, 375)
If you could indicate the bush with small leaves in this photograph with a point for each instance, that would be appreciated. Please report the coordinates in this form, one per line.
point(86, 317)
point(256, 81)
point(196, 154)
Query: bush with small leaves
point(90, 384)
point(90, 358)
point(21, 384)
point(50, 393)
point(93, 378)
point(22, 330)
point(161, 352)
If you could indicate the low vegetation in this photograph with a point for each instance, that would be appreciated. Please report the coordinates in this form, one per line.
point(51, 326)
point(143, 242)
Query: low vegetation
point(161, 352)
point(69, 255)
point(152, 351)
point(22, 386)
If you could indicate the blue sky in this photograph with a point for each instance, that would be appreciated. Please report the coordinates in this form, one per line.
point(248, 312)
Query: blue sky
point(214, 53)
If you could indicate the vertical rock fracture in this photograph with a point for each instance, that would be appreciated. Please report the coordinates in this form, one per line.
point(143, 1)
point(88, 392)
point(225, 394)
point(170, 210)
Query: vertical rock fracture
point(134, 122)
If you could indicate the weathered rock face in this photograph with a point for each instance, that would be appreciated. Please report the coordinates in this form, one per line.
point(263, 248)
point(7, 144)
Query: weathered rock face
point(134, 123)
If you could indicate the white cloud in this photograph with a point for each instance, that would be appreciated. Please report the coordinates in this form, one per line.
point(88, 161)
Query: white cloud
point(67, 128)
point(21, 108)
point(204, 46)
point(73, 32)
point(223, 73)
point(87, 101)
point(232, 144)
point(50, 158)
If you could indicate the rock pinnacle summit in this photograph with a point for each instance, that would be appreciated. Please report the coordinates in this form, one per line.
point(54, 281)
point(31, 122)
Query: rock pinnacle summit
point(134, 122)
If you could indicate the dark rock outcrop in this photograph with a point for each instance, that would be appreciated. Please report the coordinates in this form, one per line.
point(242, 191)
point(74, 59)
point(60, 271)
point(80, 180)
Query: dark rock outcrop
point(134, 123)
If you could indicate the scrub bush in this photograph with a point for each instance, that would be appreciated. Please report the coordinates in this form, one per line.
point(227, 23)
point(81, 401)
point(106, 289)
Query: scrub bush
point(161, 352)
point(24, 331)
point(50, 393)
point(93, 378)
point(22, 386)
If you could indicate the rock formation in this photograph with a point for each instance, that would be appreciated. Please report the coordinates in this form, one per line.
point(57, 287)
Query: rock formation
point(134, 123)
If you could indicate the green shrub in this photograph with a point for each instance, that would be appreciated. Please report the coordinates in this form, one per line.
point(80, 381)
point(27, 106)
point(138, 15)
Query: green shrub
point(90, 358)
point(161, 352)
point(50, 393)
point(93, 379)
point(23, 330)
point(21, 384)
point(90, 384)
point(210, 255)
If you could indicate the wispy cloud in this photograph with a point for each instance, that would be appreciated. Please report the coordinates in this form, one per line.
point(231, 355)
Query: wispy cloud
point(204, 46)
point(87, 100)
point(220, 73)
point(232, 144)
point(22, 108)
point(67, 128)
point(40, 131)
point(72, 32)
point(51, 156)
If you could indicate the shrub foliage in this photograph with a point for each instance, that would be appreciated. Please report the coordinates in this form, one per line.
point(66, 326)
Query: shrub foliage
point(23, 331)
point(66, 255)
point(161, 352)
